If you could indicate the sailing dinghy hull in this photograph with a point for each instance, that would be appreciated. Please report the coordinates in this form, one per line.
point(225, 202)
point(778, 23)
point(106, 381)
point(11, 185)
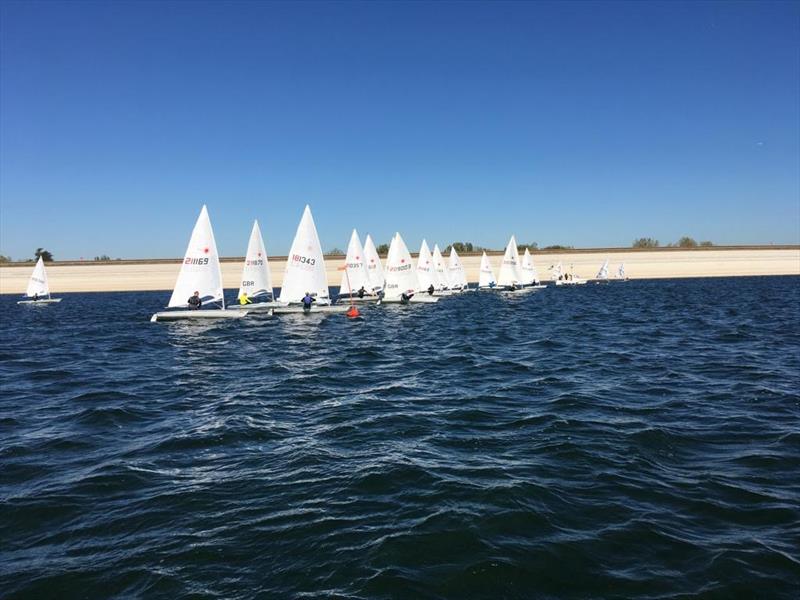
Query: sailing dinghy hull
point(45, 301)
point(296, 310)
point(187, 315)
point(414, 300)
point(255, 306)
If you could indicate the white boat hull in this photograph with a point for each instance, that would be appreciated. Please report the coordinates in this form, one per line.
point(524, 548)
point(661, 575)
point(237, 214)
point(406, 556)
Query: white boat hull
point(357, 300)
point(520, 291)
point(255, 306)
point(184, 315)
point(570, 282)
point(414, 300)
point(325, 308)
point(41, 301)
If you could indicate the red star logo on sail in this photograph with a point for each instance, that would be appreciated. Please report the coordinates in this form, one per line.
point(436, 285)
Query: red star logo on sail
point(205, 250)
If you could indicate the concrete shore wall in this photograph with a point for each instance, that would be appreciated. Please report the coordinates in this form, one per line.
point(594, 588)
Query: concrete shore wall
point(639, 264)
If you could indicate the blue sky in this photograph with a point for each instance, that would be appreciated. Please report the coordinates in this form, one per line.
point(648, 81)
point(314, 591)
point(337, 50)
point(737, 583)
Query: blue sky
point(587, 124)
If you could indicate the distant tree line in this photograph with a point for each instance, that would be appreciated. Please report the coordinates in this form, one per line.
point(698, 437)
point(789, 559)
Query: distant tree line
point(684, 242)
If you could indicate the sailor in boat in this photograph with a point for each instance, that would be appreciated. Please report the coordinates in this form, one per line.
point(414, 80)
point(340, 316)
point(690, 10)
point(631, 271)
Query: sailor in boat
point(243, 299)
point(405, 298)
point(361, 292)
point(308, 300)
point(36, 297)
point(194, 301)
point(431, 289)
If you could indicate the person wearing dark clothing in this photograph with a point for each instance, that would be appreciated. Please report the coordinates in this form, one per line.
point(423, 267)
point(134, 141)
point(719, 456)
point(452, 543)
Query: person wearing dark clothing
point(431, 289)
point(308, 300)
point(36, 297)
point(405, 298)
point(361, 292)
point(194, 301)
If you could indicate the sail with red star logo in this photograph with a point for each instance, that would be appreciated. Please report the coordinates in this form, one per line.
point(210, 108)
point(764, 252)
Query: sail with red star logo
point(426, 274)
point(401, 277)
point(305, 267)
point(373, 264)
point(355, 277)
point(256, 279)
point(200, 270)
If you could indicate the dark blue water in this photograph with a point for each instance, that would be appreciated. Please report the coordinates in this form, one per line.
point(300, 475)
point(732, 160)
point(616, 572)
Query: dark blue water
point(629, 440)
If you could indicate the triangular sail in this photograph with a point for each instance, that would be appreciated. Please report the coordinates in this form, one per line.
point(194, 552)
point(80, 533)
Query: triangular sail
point(509, 269)
point(426, 273)
point(455, 270)
point(355, 276)
point(486, 276)
point(400, 274)
point(529, 274)
point(256, 278)
point(442, 278)
point(200, 270)
point(603, 272)
point(373, 264)
point(305, 267)
point(37, 285)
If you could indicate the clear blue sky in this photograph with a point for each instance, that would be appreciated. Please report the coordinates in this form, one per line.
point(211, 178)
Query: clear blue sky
point(574, 123)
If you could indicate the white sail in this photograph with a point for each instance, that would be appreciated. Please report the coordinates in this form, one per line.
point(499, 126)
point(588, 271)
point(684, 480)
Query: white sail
point(200, 270)
point(455, 270)
point(603, 272)
point(529, 274)
point(400, 275)
point(256, 279)
point(355, 276)
point(373, 264)
point(305, 267)
point(558, 271)
point(442, 278)
point(621, 271)
point(486, 277)
point(510, 267)
point(426, 273)
point(37, 285)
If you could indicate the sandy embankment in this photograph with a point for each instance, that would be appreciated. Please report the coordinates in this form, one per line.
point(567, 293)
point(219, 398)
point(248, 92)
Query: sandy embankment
point(651, 264)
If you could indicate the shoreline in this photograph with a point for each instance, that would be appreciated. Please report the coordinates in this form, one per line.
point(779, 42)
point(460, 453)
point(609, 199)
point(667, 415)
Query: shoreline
point(640, 263)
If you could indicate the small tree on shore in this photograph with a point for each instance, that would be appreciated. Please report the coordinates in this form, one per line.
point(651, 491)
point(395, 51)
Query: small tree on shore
point(687, 242)
point(706, 243)
point(383, 249)
point(334, 252)
point(4, 259)
point(645, 242)
point(45, 255)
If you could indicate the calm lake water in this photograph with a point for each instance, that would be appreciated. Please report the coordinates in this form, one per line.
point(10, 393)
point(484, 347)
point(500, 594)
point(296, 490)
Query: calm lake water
point(631, 440)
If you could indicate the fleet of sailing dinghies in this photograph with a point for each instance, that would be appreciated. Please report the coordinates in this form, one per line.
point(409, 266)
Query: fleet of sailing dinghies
point(305, 266)
point(199, 294)
point(38, 288)
point(355, 275)
point(373, 264)
point(486, 280)
point(200, 276)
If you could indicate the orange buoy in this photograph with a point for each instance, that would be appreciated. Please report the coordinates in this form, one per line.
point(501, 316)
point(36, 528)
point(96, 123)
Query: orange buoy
point(353, 312)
